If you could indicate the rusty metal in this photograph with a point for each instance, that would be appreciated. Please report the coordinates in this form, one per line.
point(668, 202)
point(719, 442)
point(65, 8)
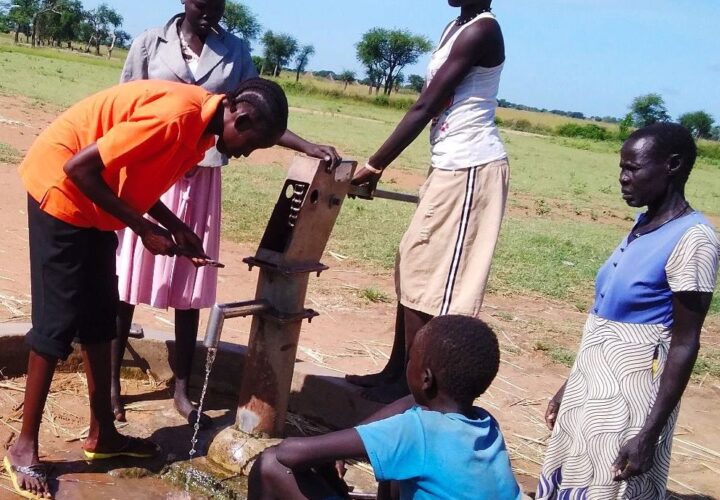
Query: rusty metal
point(220, 312)
point(368, 191)
point(298, 269)
point(291, 248)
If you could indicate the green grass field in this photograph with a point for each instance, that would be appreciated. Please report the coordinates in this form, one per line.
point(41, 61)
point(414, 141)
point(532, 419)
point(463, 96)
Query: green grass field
point(565, 212)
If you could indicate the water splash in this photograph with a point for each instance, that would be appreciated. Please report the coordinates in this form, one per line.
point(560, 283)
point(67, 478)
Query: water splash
point(209, 360)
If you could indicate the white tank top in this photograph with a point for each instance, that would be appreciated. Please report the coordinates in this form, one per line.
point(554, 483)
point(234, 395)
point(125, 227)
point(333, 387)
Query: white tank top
point(465, 134)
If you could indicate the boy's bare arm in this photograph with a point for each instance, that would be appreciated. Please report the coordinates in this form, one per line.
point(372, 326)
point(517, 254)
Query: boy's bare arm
point(303, 453)
point(189, 244)
point(396, 408)
point(300, 453)
point(84, 170)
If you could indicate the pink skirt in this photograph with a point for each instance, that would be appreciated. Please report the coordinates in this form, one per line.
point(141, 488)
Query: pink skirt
point(164, 282)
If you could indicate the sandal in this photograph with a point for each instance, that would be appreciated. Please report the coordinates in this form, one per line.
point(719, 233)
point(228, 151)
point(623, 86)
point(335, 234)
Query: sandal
point(127, 450)
point(37, 471)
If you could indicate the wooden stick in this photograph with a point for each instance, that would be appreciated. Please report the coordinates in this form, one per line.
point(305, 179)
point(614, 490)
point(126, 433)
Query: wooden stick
point(685, 486)
point(701, 448)
point(532, 440)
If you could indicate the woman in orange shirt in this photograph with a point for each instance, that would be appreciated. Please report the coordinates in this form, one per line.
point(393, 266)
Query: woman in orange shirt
point(97, 168)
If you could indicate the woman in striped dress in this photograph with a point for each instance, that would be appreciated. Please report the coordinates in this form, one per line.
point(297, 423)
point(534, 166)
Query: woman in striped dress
point(613, 419)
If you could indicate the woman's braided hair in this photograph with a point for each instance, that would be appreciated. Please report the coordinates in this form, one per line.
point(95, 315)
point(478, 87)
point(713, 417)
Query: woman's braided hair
point(268, 100)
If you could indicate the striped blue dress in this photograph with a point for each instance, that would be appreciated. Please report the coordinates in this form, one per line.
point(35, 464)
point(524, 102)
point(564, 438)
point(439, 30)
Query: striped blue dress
point(615, 379)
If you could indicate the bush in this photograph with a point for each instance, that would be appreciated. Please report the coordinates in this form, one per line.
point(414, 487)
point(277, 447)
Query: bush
point(524, 125)
point(301, 88)
point(589, 131)
point(709, 150)
point(382, 100)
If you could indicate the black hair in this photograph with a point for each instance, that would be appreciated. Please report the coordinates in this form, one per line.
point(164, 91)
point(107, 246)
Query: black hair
point(463, 354)
point(267, 98)
point(670, 139)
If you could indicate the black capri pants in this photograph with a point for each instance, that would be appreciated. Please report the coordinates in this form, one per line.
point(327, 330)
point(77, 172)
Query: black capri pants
point(73, 284)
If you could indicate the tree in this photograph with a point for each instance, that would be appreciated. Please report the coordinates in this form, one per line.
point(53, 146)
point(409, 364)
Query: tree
point(120, 38)
point(715, 134)
point(239, 19)
point(699, 123)
point(65, 26)
point(302, 58)
point(624, 126)
point(279, 49)
point(41, 9)
point(416, 82)
point(20, 14)
point(5, 23)
point(258, 62)
point(390, 51)
point(399, 81)
point(648, 109)
point(374, 78)
point(101, 27)
point(347, 77)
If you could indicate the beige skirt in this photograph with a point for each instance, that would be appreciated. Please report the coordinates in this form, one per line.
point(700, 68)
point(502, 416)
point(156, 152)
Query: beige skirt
point(443, 262)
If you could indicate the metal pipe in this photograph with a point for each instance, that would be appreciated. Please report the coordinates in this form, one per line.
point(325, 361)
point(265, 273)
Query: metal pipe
point(220, 312)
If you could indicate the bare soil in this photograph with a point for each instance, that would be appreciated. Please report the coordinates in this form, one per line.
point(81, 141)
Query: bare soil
point(352, 335)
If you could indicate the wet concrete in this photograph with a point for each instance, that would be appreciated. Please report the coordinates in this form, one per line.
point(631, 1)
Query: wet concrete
point(151, 414)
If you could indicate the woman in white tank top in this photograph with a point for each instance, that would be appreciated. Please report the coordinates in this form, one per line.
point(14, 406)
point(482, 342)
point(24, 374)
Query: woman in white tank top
point(444, 257)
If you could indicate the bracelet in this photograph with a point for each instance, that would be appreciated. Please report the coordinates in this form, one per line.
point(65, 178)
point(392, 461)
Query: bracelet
point(373, 169)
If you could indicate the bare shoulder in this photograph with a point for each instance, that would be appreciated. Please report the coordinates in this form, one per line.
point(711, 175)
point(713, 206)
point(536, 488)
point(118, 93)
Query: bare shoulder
point(484, 38)
point(487, 28)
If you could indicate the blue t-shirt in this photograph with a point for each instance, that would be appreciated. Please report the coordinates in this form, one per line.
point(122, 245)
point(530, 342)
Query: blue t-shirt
point(441, 455)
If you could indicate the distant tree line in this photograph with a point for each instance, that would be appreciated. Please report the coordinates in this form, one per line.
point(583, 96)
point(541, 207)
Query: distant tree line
point(63, 22)
point(383, 52)
point(650, 108)
point(58, 23)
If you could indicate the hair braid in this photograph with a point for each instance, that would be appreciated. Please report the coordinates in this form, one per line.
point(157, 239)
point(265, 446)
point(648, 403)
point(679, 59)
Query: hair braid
point(268, 100)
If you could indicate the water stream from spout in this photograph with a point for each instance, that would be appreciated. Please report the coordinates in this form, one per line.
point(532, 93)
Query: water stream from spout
point(209, 360)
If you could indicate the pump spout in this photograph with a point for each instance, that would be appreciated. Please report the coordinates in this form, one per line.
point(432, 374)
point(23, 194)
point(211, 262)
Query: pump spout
point(220, 312)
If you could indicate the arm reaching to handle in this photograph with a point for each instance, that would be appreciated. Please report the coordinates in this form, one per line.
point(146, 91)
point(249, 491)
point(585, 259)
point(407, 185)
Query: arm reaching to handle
point(297, 143)
point(84, 170)
point(472, 45)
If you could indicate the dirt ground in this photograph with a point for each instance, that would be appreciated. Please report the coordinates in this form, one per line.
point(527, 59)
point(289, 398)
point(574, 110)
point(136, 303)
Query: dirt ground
point(353, 335)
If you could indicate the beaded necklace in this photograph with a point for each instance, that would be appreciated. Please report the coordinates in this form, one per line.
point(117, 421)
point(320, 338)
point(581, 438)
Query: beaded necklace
point(460, 21)
point(636, 233)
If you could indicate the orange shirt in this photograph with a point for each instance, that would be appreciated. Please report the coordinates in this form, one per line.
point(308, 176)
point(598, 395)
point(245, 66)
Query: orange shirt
point(149, 134)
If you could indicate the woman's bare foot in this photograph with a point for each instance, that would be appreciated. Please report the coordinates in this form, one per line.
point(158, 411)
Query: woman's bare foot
point(387, 393)
point(118, 408)
point(370, 380)
point(117, 444)
point(35, 479)
point(184, 407)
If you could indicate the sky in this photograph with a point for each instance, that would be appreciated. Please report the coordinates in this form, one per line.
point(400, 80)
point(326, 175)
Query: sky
point(592, 56)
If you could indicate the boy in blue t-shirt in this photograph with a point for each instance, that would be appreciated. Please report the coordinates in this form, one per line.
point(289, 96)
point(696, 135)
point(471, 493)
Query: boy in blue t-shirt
point(433, 444)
